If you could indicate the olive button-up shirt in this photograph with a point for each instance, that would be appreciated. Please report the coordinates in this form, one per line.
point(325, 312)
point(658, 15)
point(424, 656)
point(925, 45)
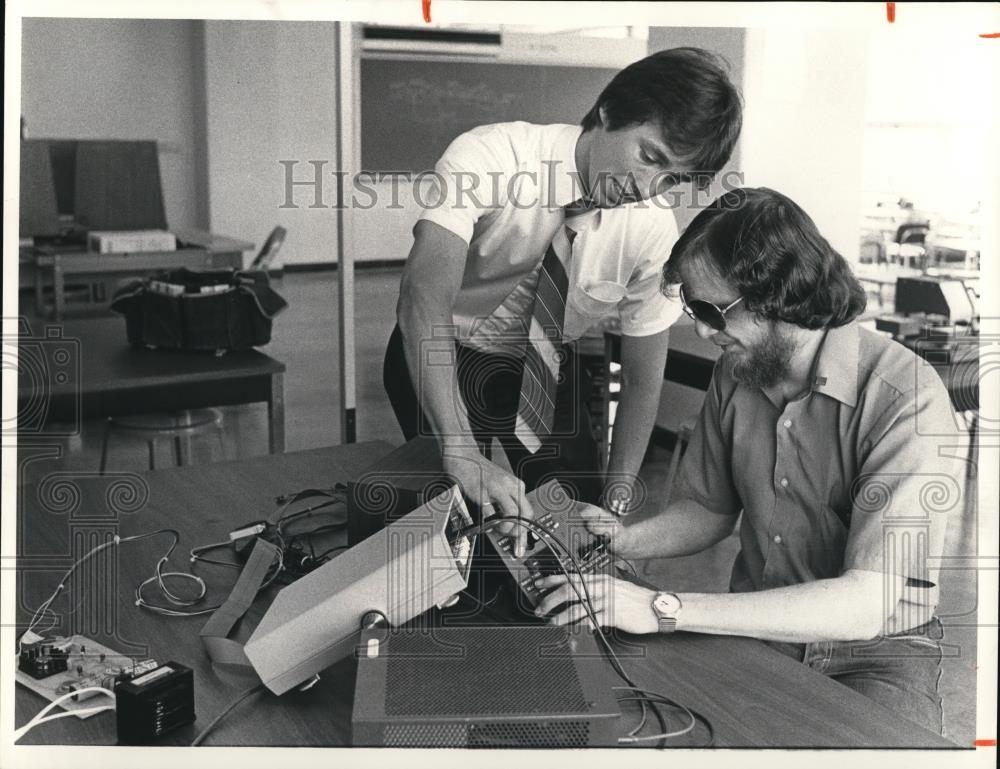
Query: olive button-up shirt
point(855, 474)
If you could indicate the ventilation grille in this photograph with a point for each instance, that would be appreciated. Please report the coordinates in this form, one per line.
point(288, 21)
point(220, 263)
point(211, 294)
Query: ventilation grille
point(425, 736)
point(559, 734)
point(489, 672)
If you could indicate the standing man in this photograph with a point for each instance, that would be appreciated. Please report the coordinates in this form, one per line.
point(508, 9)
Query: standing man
point(534, 234)
point(826, 437)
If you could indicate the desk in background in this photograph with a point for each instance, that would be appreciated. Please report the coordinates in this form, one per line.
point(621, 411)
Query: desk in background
point(197, 250)
point(753, 695)
point(106, 377)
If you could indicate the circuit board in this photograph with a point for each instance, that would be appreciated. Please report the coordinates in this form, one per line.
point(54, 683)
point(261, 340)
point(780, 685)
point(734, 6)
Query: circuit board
point(88, 663)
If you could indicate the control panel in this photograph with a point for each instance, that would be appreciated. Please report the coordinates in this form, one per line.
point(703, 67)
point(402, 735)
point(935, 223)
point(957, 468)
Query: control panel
point(554, 514)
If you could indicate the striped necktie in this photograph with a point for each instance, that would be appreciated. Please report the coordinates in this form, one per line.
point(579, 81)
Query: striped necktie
point(543, 350)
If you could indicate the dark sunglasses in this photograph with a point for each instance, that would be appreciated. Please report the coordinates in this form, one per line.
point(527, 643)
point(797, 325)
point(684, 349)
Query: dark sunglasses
point(710, 314)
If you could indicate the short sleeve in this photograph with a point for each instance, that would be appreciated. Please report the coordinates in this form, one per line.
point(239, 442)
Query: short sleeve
point(644, 310)
point(705, 474)
point(906, 489)
point(464, 184)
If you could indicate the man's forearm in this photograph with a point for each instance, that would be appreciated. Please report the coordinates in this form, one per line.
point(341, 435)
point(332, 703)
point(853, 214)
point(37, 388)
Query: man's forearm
point(634, 419)
point(430, 358)
point(846, 608)
point(642, 361)
point(682, 529)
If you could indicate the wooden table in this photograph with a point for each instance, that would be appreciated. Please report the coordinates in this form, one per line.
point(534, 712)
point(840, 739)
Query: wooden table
point(753, 695)
point(105, 377)
point(196, 250)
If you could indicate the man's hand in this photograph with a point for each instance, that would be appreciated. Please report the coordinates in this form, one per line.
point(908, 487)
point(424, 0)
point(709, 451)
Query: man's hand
point(615, 602)
point(496, 491)
point(606, 525)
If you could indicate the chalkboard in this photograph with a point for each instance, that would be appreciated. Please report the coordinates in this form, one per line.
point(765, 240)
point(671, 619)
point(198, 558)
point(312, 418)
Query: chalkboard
point(411, 110)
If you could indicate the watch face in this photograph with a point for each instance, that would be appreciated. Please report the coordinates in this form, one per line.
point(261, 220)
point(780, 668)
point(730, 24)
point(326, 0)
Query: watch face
point(666, 604)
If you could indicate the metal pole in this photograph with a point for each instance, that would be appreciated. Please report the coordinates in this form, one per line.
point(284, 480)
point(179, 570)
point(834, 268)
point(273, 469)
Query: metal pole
point(348, 121)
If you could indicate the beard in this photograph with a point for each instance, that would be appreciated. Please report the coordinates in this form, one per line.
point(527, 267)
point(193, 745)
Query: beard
point(767, 362)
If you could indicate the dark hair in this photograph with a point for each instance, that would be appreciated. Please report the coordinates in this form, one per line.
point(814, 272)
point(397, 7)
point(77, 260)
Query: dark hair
point(686, 92)
point(769, 249)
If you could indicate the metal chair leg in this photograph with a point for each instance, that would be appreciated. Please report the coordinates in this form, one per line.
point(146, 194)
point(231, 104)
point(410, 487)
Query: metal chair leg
point(104, 446)
point(222, 445)
point(182, 449)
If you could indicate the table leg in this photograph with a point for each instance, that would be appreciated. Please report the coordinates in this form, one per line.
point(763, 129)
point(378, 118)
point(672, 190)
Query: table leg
point(58, 292)
point(276, 414)
point(39, 291)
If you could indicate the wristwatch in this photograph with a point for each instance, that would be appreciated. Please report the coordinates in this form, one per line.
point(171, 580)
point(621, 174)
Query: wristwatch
point(667, 608)
point(617, 501)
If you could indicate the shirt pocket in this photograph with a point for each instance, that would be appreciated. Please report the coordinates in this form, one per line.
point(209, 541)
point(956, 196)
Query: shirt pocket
point(598, 298)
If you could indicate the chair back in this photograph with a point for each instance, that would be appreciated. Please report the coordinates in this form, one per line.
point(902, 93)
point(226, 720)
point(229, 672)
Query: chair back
point(270, 249)
point(912, 232)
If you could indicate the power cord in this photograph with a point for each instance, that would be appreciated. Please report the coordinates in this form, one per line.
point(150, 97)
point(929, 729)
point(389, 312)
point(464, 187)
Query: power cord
point(40, 719)
point(229, 708)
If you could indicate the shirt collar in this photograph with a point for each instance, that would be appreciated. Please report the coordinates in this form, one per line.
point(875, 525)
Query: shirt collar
point(566, 185)
point(835, 372)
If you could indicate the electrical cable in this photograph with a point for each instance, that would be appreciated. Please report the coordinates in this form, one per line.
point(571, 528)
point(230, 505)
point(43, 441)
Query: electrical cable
point(196, 552)
point(693, 714)
point(335, 495)
point(332, 550)
point(229, 708)
point(309, 511)
point(41, 719)
point(166, 611)
point(158, 577)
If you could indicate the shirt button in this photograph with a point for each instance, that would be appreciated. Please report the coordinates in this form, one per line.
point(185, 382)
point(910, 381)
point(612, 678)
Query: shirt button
point(777, 539)
point(784, 483)
point(787, 423)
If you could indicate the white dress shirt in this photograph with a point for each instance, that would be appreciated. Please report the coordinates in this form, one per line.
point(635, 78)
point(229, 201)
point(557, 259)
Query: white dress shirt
point(502, 188)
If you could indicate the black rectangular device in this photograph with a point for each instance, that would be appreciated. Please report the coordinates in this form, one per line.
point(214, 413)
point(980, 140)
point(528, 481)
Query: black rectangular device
point(483, 687)
point(154, 703)
point(398, 484)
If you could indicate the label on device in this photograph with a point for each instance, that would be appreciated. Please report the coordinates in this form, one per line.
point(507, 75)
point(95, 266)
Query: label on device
point(158, 673)
point(249, 531)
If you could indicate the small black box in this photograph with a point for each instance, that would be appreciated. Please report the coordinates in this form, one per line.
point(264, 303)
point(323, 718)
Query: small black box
point(398, 484)
point(154, 704)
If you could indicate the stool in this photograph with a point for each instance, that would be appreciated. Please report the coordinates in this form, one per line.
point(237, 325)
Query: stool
point(180, 426)
point(684, 434)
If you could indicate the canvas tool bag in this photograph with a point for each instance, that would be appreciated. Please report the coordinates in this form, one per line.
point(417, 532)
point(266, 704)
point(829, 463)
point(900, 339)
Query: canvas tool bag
point(185, 309)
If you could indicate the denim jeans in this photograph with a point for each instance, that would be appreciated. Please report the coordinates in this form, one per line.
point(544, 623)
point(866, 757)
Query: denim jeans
point(901, 672)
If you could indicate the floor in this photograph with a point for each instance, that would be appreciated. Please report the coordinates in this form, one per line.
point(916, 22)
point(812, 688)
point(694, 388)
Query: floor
point(305, 338)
